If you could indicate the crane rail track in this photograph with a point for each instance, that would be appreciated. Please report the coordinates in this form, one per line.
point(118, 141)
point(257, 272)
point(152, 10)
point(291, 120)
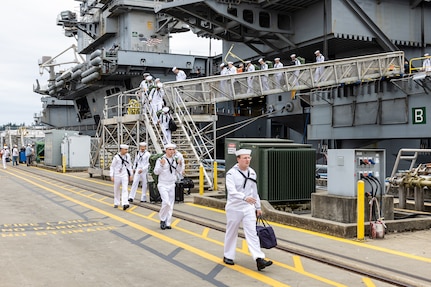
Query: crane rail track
point(330, 259)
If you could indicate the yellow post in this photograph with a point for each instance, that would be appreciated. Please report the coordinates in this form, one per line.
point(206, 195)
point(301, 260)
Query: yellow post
point(215, 176)
point(201, 180)
point(64, 163)
point(360, 229)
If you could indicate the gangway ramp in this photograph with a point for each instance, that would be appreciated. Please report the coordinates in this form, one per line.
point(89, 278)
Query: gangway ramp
point(215, 89)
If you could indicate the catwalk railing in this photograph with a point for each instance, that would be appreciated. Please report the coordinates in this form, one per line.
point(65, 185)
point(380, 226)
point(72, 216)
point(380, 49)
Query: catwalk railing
point(210, 90)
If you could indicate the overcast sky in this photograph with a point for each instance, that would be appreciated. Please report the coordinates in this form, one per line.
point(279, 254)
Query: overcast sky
point(28, 31)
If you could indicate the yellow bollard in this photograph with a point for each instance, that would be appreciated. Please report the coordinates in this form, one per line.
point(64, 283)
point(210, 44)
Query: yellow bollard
point(215, 176)
point(201, 180)
point(64, 163)
point(360, 229)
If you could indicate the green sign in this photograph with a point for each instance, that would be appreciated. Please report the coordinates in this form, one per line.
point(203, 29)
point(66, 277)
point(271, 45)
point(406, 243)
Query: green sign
point(419, 116)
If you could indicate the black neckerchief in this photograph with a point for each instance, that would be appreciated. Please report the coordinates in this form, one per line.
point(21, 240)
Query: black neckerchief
point(124, 162)
point(140, 158)
point(171, 166)
point(246, 177)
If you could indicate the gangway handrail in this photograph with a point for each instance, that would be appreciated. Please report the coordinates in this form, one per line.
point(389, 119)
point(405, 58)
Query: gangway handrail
point(219, 88)
point(181, 113)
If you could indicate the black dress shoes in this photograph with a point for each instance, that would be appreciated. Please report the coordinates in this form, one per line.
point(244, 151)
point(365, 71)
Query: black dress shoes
point(262, 263)
point(125, 206)
point(168, 227)
point(130, 200)
point(115, 206)
point(228, 261)
point(162, 225)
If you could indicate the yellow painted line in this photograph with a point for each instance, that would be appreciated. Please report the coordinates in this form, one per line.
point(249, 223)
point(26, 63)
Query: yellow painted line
point(367, 281)
point(152, 214)
point(205, 232)
point(206, 207)
point(132, 208)
point(244, 246)
point(176, 221)
point(253, 274)
point(297, 262)
point(103, 199)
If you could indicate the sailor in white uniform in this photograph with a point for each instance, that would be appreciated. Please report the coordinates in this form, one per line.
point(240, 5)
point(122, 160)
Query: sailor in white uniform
point(243, 204)
point(278, 76)
point(156, 99)
point(167, 167)
point(180, 74)
point(426, 65)
point(140, 168)
point(5, 154)
point(264, 66)
point(164, 125)
point(249, 68)
point(121, 172)
point(319, 71)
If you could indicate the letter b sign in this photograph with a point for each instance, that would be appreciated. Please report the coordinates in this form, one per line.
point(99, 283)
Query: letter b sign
point(419, 116)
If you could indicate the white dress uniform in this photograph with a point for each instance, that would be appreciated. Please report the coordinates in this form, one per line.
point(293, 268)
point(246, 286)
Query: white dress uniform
point(181, 76)
point(264, 79)
point(5, 154)
point(120, 169)
point(156, 99)
point(167, 176)
point(296, 73)
point(278, 76)
point(319, 71)
point(140, 166)
point(426, 66)
point(164, 125)
point(250, 68)
point(238, 210)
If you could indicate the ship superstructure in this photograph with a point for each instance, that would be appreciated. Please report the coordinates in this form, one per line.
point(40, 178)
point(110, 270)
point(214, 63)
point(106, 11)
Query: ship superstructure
point(341, 109)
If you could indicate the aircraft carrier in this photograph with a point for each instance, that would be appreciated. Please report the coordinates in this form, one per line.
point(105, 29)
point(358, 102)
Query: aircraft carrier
point(372, 93)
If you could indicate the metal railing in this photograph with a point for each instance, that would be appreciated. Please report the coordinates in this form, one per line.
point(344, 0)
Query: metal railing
point(245, 85)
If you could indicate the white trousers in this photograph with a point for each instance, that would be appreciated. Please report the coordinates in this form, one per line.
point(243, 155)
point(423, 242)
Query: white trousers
point(167, 194)
point(136, 179)
point(123, 181)
point(248, 219)
point(3, 159)
point(265, 85)
point(250, 85)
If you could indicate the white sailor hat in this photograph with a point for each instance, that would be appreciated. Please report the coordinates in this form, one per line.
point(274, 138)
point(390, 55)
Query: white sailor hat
point(317, 52)
point(142, 144)
point(173, 69)
point(149, 78)
point(159, 85)
point(5, 147)
point(165, 109)
point(426, 55)
point(221, 65)
point(260, 60)
point(277, 59)
point(293, 55)
point(157, 80)
point(170, 145)
point(243, 151)
point(247, 62)
point(124, 146)
point(230, 63)
point(146, 74)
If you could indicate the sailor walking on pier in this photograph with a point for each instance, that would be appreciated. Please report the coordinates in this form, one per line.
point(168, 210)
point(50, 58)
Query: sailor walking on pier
point(140, 167)
point(121, 172)
point(243, 204)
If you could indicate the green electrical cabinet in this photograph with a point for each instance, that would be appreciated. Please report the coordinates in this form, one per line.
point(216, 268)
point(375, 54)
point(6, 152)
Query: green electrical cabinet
point(285, 170)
